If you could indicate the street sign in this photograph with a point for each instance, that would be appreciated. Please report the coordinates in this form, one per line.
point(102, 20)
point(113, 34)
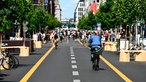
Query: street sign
point(98, 24)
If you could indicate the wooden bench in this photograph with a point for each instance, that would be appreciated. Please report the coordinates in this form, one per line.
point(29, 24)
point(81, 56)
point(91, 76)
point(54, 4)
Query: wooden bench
point(28, 43)
point(139, 55)
point(110, 46)
point(24, 51)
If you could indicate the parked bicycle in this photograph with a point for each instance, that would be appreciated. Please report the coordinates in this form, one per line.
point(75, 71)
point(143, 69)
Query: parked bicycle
point(7, 60)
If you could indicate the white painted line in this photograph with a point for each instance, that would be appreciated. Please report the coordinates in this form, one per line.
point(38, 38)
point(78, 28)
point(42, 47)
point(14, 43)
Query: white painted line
point(75, 73)
point(72, 55)
point(67, 41)
point(74, 66)
point(73, 58)
point(76, 80)
point(72, 52)
point(73, 61)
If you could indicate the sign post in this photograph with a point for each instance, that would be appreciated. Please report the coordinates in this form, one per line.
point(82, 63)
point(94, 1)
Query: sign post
point(98, 26)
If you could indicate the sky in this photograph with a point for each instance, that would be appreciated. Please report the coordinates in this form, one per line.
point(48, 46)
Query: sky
point(68, 8)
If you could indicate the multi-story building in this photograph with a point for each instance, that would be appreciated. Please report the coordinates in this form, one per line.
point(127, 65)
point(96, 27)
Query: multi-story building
point(79, 11)
point(57, 10)
point(50, 6)
point(47, 5)
point(66, 21)
point(86, 6)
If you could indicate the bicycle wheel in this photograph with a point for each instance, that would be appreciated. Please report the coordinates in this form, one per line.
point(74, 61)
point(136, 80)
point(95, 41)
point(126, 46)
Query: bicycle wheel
point(16, 61)
point(8, 63)
point(95, 62)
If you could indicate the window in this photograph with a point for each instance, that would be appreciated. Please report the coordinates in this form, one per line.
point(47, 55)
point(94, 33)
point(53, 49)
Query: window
point(80, 9)
point(82, 4)
point(80, 14)
point(81, 0)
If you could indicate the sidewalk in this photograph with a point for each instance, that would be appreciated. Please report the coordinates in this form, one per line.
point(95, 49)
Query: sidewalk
point(26, 63)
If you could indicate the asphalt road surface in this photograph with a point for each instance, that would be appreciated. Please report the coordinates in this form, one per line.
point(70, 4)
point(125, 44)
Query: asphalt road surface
point(70, 62)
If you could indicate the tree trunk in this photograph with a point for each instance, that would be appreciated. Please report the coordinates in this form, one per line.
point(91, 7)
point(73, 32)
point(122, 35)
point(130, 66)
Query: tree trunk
point(21, 30)
point(0, 39)
point(23, 34)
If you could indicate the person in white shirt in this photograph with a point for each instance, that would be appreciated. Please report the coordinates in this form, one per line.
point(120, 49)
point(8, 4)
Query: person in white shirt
point(43, 37)
point(35, 36)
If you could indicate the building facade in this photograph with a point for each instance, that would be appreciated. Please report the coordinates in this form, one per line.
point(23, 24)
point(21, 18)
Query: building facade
point(57, 10)
point(50, 6)
point(86, 8)
point(79, 11)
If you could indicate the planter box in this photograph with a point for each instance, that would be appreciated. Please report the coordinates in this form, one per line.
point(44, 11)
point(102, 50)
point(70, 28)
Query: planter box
point(37, 44)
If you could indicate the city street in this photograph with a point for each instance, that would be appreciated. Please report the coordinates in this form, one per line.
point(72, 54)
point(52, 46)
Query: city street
point(70, 62)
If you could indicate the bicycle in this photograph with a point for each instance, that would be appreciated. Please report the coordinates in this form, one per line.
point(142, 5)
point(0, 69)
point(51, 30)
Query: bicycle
point(7, 60)
point(96, 51)
point(14, 58)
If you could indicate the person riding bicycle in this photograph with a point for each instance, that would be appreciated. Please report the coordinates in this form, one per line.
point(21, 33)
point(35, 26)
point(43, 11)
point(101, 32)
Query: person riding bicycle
point(56, 39)
point(95, 41)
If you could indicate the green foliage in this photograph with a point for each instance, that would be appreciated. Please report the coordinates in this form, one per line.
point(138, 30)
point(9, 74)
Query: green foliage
point(69, 24)
point(88, 22)
point(5, 23)
point(105, 15)
point(23, 10)
point(113, 13)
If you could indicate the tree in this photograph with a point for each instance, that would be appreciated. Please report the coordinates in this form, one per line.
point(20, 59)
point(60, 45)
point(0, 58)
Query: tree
point(105, 15)
point(23, 11)
point(88, 22)
point(69, 24)
point(5, 23)
point(22, 8)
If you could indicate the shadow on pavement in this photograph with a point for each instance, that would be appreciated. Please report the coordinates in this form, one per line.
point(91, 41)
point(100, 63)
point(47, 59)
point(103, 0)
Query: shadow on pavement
point(25, 65)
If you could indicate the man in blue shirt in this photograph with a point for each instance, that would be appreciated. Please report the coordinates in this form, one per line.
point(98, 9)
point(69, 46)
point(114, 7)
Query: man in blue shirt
point(95, 41)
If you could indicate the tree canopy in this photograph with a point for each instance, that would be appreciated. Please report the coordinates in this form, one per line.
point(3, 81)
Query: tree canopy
point(24, 11)
point(113, 13)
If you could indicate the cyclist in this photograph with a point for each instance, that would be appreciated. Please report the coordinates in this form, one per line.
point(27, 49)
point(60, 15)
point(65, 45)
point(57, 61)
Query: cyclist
point(95, 41)
point(61, 36)
point(56, 39)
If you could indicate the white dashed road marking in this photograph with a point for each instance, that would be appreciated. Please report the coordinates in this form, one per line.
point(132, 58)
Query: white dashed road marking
point(75, 73)
point(72, 58)
point(74, 66)
point(73, 61)
point(72, 55)
point(76, 80)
